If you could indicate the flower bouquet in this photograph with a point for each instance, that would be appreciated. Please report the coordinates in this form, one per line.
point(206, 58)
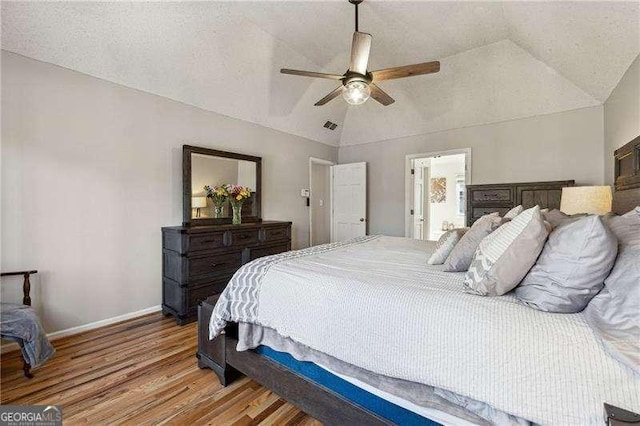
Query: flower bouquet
point(219, 196)
point(238, 194)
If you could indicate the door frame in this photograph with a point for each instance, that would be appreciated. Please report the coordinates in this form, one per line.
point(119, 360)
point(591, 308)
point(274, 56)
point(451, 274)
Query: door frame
point(426, 201)
point(424, 174)
point(314, 160)
point(408, 184)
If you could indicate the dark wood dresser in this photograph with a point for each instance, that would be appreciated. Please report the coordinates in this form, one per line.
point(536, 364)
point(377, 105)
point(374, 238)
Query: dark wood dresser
point(198, 261)
point(485, 199)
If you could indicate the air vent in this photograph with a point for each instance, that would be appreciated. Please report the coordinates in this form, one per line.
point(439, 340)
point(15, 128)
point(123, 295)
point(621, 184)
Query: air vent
point(331, 126)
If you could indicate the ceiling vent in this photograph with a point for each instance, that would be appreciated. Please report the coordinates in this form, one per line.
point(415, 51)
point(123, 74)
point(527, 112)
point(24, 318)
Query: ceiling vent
point(331, 126)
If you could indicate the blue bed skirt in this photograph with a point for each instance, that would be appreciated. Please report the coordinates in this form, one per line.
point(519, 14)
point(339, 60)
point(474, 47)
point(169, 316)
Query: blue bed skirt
point(373, 403)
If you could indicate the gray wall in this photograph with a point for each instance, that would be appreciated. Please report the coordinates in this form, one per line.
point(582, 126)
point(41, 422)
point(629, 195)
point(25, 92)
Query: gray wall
point(321, 214)
point(567, 145)
point(90, 172)
point(621, 116)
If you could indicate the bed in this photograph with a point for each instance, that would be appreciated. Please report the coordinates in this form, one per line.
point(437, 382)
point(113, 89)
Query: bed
point(362, 332)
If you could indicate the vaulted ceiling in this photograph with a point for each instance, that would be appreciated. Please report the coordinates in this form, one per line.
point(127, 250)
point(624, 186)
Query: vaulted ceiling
point(499, 60)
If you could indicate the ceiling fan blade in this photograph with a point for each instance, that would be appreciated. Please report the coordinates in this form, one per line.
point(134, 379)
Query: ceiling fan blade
point(312, 74)
point(406, 71)
point(330, 96)
point(360, 47)
point(380, 95)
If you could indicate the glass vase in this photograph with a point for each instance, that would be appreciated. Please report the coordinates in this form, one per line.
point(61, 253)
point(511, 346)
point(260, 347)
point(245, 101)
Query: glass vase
point(218, 211)
point(237, 213)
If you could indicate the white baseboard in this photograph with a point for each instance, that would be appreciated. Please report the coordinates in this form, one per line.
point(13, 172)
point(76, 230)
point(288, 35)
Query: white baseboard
point(86, 327)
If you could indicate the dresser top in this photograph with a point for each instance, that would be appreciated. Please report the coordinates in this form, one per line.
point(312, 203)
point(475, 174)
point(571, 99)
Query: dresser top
point(225, 227)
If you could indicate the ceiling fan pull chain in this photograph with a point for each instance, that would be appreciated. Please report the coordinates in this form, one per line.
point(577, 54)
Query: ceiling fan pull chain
point(356, 17)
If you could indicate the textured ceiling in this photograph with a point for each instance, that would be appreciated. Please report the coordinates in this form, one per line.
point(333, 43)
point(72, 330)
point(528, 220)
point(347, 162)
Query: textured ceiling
point(500, 60)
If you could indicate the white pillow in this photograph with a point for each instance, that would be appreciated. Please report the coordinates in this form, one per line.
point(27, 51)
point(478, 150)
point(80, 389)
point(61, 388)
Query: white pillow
point(513, 212)
point(505, 256)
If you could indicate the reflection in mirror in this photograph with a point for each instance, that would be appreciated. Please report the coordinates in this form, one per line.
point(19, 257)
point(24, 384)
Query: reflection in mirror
point(207, 170)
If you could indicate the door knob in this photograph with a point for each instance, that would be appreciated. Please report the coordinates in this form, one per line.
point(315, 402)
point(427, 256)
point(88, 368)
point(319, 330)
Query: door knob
point(362, 219)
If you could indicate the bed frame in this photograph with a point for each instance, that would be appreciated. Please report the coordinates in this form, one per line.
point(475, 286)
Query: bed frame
point(221, 356)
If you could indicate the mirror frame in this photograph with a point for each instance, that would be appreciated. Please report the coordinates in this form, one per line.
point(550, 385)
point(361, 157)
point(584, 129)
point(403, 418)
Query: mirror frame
point(187, 220)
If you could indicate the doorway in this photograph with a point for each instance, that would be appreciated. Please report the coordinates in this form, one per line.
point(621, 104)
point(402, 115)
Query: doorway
point(436, 193)
point(337, 201)
point(319, 201)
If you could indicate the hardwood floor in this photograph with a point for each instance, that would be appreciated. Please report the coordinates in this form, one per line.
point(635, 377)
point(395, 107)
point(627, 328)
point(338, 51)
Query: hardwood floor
point(141, 371)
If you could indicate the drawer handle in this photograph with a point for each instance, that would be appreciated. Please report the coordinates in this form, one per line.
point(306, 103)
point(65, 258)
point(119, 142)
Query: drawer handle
point(277, 232)
point(209, 241)
point(214, 264)
point(243, 237)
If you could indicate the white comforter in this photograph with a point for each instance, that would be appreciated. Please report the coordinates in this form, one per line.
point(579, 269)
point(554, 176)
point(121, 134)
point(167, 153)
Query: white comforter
point(377, 305)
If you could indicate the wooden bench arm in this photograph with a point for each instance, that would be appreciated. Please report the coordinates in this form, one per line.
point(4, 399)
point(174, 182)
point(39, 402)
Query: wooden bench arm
point(26, 285)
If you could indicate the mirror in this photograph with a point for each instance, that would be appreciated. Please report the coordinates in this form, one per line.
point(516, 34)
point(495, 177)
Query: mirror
point(206, 174)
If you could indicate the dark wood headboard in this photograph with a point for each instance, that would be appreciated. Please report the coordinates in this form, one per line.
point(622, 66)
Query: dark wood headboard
point(485, 199)
point(626, 194)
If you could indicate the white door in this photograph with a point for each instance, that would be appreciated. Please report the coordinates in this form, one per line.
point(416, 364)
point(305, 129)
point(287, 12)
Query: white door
point(349, 187)
point(418, 203)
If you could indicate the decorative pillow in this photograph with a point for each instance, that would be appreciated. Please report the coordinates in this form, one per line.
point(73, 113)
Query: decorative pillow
point(460, 257)
point(505, 257)
point(445, 244)
point(572, 267)
point(513, 212)
point(626, 227)
point(614, 314)
point(556, 218)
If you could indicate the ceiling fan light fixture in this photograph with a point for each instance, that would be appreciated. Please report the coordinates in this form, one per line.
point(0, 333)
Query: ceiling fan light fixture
point(358, 84)
point(356, 92)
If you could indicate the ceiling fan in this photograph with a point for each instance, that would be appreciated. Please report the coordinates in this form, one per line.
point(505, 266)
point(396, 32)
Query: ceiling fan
point(358, 84)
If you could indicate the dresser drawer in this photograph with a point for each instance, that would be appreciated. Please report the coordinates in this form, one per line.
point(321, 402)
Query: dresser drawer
point(275, 234)
point(218, 264)
point(269, 250)
point(245, 237)
point(478, 212)
point(480, 195)
point(210, 241)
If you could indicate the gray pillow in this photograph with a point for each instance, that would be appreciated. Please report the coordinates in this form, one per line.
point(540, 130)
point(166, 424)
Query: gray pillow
point(460, 257)
point(556, 218)
point(571, 268)
point(614, 314)
point(445, 244)
point(626, 227)
point(504, 257)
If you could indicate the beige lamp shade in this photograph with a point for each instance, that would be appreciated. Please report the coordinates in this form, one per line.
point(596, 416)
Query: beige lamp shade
point(586, 199)
point(197, 202)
